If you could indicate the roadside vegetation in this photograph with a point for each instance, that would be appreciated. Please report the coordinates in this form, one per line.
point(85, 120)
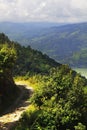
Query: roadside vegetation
point(59, 101)
point(8, 89)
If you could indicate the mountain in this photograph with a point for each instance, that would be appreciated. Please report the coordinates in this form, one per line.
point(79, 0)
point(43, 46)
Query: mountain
point(65, 43)
point(28, 59)
point(31, 61)
point(22, 32)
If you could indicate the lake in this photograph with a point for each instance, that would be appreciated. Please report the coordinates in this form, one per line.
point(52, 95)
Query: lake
point(82, 71)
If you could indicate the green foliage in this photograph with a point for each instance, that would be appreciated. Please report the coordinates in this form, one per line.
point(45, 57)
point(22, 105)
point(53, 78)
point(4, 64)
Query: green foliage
point(80, 126)
point(7, 86)
point(7, 57)
point(66, 44)
point(60, 102)
point(29, 61)
point(79, 58)
point(32, 61)
point(4, 39)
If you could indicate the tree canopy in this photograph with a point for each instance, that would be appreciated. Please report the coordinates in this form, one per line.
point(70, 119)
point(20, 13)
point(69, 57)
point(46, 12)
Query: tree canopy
point(60, 102)
point(7, 86)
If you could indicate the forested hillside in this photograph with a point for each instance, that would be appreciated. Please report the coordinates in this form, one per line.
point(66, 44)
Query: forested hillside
point(59, 101)
point(28, 59)
point(64, 43)
point(27, 62)
point(31, 61)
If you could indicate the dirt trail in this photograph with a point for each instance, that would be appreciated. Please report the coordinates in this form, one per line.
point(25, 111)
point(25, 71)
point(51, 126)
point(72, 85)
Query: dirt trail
point(13, 114)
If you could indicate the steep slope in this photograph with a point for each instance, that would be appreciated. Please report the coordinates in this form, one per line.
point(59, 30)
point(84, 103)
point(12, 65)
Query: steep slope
point(61, 43)
point(60, 100)
point(31, 61)
point(28, 59)
point(65, 43)
point(27, 62)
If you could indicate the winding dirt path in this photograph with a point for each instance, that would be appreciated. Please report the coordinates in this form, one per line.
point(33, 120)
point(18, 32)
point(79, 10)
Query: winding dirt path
point(13, 114)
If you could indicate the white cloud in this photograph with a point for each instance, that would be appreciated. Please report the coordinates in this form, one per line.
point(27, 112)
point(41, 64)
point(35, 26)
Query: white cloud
point(47, 10)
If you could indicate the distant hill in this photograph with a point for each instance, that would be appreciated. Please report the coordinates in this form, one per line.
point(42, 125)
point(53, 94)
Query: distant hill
point(64, 43)
point(23, 32)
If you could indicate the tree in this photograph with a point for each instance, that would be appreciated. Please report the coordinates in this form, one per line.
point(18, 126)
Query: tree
point(7, 86)
point(7, 57)
point(80, 126)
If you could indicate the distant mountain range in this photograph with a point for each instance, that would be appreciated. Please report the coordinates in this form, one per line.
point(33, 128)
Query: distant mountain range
point(23, 32)
point(64, 43)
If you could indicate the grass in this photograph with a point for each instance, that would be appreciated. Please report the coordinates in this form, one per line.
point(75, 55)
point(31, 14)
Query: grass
point(31, 81)
point(85, 90)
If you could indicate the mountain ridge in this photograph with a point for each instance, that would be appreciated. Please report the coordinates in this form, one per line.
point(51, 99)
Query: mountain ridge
point(64, 43)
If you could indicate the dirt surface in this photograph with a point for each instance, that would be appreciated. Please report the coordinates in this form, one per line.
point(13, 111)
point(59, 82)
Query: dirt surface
point(13, 113)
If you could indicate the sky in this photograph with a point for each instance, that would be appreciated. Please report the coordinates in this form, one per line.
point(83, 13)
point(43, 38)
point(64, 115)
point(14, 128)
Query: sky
point(61, 11)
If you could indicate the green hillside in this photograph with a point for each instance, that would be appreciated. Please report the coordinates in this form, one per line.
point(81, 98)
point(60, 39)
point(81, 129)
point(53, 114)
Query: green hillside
point(31, 61)
point(16, 60)
point(28, 59)
point(64, 44)
point(59, 101)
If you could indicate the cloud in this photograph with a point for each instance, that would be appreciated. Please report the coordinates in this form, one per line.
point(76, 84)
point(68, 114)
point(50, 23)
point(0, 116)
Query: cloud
point(47, 10)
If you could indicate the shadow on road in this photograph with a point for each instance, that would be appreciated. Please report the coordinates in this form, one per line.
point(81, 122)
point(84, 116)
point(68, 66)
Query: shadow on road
point(11, 116)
